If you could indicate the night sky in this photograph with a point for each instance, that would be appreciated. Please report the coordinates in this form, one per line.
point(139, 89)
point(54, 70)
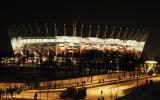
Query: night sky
point(138, 15)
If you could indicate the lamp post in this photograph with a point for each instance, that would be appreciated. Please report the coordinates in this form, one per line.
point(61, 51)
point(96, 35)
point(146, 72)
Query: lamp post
point(137, 75)
point(5, 90)
point(118, 78)
point(111, 94)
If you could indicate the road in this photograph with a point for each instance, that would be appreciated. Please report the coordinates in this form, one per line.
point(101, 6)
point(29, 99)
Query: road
point(110, 90)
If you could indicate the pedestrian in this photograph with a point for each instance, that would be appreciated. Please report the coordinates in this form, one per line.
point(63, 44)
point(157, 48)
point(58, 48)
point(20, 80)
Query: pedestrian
point(84, 82)
point(77, 83)
point(119, 78)
point(11, 92)
point(102, 97)
point(151, 81)
point(3, 92)
point(59, 85)
point(146, 81)
point(35, 95)
point(101, 92)
point(0, 93)
point(54, 85)
point(98, 98)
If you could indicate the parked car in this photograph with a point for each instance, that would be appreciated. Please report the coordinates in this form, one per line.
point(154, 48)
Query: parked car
point(74, 93)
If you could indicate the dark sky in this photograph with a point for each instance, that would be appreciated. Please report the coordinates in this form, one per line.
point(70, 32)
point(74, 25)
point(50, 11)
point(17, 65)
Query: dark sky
point(139, 15)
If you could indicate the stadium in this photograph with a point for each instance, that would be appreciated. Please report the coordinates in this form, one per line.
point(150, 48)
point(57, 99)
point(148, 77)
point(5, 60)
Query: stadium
point(79, 44)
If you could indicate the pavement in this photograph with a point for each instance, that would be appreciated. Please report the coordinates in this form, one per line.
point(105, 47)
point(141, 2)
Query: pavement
point(93, 90)
point(89, 85)
point(111, 89)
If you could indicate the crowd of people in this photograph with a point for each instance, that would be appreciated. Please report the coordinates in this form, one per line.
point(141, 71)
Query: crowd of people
point(10, 91)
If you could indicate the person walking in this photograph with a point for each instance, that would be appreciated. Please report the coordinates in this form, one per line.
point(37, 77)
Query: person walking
point(98, 98)
point(35, 95)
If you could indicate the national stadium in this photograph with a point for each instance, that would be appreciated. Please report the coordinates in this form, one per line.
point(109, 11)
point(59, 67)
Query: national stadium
point(40, 43)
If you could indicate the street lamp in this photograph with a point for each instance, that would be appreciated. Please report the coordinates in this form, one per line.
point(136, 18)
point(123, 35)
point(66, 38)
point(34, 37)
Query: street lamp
point(111, 94)
point(118, 78)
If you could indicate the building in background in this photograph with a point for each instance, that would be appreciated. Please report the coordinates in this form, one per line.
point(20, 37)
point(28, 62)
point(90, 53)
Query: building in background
point(150, 66)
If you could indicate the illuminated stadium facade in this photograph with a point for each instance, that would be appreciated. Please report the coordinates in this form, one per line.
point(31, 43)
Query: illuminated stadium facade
point(106, 40)
point(65, 42)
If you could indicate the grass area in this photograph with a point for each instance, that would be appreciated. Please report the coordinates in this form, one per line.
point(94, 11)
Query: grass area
point(150, 91)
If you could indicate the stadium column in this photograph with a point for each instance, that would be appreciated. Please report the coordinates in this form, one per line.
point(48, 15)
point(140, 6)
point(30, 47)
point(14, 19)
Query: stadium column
point(145, 38)
point(55, 30)
point(97, 31)
point(97, 35)
point(64, 29)
point(135, 36)
point(112, 33)
point(38, 29)
point(119, 33)
point(90, 28)
point(5, 42)
point(105, 33)
point(81, 38)
point(74, 35)
point(74, 30)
